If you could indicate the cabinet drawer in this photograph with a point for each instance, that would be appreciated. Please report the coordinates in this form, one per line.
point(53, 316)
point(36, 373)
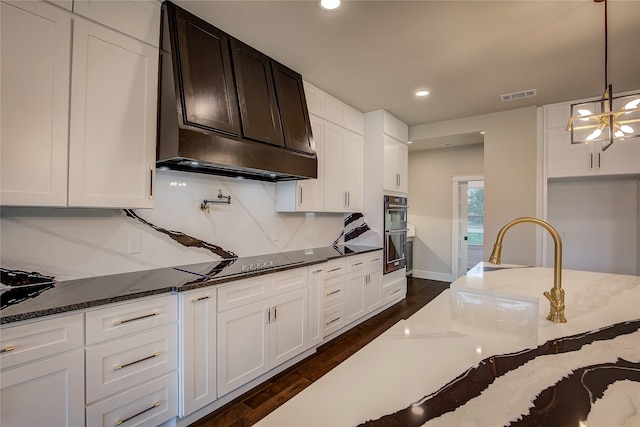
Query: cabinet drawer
point(128, 318)
point(356, 263)
point(334, 268)
point(288, 281)
point(333, 319)
point(242, 292)
point(333, 291)
point(31, 341)
point(150, 404)
point(116, 365)
point(139, 19)
point(396, 290)
point(374, 259)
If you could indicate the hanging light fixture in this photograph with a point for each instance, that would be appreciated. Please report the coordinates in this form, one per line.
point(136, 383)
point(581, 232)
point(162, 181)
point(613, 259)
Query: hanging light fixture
point(609, 117)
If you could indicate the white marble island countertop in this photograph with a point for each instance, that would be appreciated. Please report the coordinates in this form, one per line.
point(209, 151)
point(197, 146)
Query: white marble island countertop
point(423, 371)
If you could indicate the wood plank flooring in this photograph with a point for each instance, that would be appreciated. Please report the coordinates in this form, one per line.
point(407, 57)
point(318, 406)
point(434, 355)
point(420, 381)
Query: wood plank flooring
point(257, 403)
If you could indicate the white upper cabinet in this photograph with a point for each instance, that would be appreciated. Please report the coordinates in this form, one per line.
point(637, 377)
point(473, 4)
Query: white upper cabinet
point(113, 119)
point(79, 110)
point(343, 170)
point(396, 165)
point(337, 132)
point(35, 44)
point(383, 129)
point(580, 160)
point(139, 19)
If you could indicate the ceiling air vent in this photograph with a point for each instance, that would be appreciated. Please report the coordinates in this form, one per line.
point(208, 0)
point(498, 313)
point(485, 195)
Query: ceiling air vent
point(518, 95)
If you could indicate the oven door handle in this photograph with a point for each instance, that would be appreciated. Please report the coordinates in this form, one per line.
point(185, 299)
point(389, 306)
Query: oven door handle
point(398, 206)
point(397, 230)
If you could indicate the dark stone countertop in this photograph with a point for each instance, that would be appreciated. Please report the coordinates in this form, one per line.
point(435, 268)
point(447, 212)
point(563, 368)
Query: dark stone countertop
point(25, 302)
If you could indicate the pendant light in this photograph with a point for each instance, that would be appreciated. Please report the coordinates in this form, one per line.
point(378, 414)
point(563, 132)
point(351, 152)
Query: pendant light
point(608, 118)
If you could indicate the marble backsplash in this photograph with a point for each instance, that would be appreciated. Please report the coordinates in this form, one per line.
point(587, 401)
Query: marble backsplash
point(72, 243)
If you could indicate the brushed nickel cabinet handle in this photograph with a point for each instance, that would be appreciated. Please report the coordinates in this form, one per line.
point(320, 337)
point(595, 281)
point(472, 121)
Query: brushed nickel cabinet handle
point(7, 349)
point(334, 292)
point(118, 367)
point(396, 291)
point(337, 319)
point(201, 298)
point(146, 316)
point(155, 405)
point(150, 183)
point(334, 269)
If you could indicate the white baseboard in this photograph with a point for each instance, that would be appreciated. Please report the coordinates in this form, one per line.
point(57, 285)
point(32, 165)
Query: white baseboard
point(432, 275)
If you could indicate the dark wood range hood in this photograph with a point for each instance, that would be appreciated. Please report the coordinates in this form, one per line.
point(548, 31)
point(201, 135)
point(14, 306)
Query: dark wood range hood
point(227, 109)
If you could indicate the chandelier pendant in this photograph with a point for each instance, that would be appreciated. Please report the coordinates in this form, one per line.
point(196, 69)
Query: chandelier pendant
point(608, 118)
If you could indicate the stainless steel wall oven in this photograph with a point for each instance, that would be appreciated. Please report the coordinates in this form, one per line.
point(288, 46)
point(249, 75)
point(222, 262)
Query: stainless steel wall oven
point(395, 233)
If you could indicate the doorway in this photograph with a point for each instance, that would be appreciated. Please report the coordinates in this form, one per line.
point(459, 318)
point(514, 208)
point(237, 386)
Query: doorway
point(467, 223)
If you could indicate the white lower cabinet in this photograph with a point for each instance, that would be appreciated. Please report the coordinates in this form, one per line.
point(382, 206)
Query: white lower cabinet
point(198, 349)
point(148, 404)
point(269, 328)
point(363, 284)
point(48, 392)
point(131, 369)
point(42, 377)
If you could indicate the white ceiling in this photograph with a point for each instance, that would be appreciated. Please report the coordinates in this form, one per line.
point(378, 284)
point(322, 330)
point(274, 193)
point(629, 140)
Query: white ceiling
point(375, 54)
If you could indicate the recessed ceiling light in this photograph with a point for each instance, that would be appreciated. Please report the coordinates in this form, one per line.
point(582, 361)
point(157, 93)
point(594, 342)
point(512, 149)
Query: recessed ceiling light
point(422, 93)
point(330, 4)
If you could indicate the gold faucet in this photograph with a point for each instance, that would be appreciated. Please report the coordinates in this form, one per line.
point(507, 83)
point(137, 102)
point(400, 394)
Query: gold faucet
point(556, 296)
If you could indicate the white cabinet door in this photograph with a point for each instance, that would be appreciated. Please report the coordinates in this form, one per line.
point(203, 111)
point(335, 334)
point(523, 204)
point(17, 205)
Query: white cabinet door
point(395, 165)
point(623, 157)
point(565, 159)
point(113, 119)
point(343, 170)
point(353, 167)
point(316, 305)
point(35, 48)
point(354, 300)
point(49, 392)
point(243, 345)
point(373, 289)
point(198, 349)
point(334, 194)
point(288, 326)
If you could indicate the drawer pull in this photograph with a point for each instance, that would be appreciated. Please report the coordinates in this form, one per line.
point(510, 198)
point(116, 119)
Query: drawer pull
point(118, 367)
point(337, 291)
point(375, 260)
point(334, 269)
point(7, 349)
point(357, 263)
point(337, 319)
point(396, 291)
point(155, 405)
point(120, 322)
point(201, 298)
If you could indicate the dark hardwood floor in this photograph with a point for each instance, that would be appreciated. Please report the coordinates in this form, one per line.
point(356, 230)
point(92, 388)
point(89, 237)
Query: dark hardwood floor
point(258, 402)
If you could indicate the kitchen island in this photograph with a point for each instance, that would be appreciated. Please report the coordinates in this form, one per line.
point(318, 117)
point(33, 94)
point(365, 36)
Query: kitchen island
point(429, 370)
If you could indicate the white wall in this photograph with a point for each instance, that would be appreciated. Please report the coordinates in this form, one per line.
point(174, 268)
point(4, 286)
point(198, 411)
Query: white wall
point(598, 222)
point(430, 200)
point(510, 174)
point(77, 243)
